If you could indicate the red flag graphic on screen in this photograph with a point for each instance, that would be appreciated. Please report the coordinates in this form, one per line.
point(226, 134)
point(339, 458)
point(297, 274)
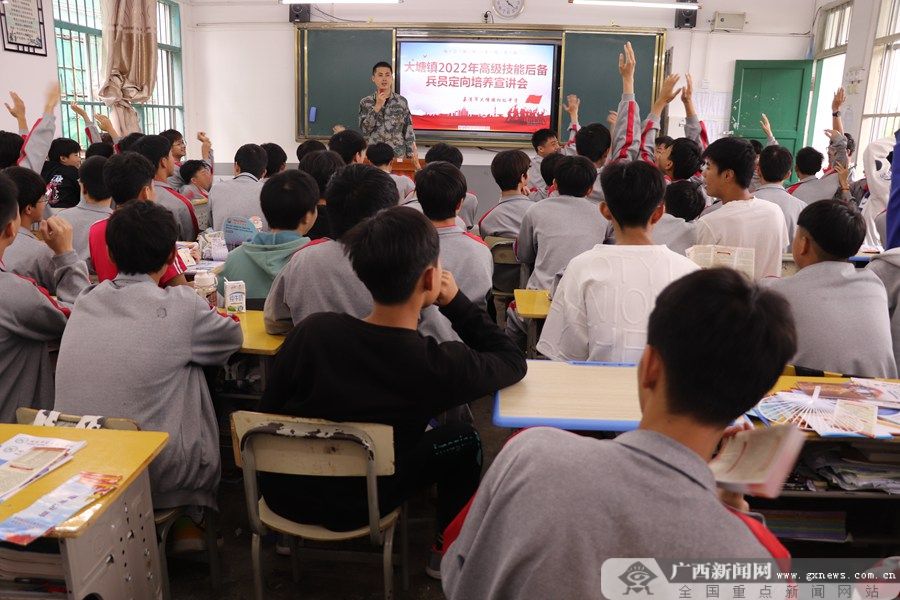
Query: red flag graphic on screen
point(533, 100)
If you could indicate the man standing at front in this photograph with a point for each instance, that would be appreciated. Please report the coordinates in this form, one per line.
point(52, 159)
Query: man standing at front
point(384, 116)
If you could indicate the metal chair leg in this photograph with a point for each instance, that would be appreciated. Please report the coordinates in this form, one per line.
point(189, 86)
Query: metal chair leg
point(388, 562)
point(212, 547)
point(163, 533)
point(257, 567)
point(295, 557)
point(404, 547)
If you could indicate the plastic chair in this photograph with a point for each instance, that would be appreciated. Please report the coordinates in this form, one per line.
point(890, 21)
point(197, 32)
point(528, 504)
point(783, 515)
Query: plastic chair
point(163, 519)
point(315, 447)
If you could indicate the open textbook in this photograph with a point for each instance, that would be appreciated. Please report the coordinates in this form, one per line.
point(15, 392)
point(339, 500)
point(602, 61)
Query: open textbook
point(758, 461)
point(24, 458)
point(740, 259)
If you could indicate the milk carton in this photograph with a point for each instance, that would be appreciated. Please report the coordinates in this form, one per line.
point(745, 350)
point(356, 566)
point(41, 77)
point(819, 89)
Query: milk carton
point(235, 297)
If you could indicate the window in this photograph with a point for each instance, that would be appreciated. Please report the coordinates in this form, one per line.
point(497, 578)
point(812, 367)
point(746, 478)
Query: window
point(882, 112)
point(835, 30)
point(79, 55)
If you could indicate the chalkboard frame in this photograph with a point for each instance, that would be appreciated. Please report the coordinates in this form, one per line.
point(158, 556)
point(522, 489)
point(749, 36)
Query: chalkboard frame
point(448, 30)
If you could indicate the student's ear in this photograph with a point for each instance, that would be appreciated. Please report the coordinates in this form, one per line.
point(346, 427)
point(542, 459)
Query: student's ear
point(658, 213)
point(283, 168)
point(81, 187)
point(264, 173)
point(604, 210)
point(650, 369)
point(759, 171)
point(171, 257)
point(147, 193)
point(237, 169)
point(308, 220)
point(359, 157)
point(604, 157)
point(458, 206)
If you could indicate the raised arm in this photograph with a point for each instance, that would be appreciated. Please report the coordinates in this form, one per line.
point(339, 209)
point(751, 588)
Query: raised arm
point(694, 128)
point(836, 103)
point(839, 142)
point(652, 125)
point(37, 144)
point(17, 110)
point(626, 137)
point(573, 103)
point(767, 129)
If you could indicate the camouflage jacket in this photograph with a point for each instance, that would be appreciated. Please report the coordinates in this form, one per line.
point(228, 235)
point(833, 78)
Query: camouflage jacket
point(391, 125)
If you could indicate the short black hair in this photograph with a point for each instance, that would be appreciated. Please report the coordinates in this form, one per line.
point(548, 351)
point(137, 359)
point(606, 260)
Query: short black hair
point(126, 174)
point(664, 140)
point(355, 192)
point(684, 199)
point(809, 160)
point(90, 174)
point(440, 187)
point(128, 141)
point(382, 64)
point(154, 148)
point(540, 137)
point(9, 203)
point(61, 147)
point(287, 197)
point(380, 154)
point(734, 154)
point(10, 148)
point(593, 141)
point(252, 158)
point(100, 149)
point(575, 176)
point(445, 152)
point(837, 227)
point(309, 146)
point(390, 251)
point(548, 167)
point(189, 168)
point(700, 323)
point(173, 135)
point(347, 143)
point(322, 165)
point(775, 163)
point(851, 143)
point(508, 167)
point(632, 191)
point(757, 146)
point(276, 158)
point(31, 186)
point(685, 155)
point(141, 237)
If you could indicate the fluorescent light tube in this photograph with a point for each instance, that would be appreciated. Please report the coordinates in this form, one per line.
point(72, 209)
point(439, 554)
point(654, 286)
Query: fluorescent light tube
point(340, 2)
point(639, 4)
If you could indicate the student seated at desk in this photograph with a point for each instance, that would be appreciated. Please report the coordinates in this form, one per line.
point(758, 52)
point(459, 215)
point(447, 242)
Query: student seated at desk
point(94, 206)
point(441, 188)
point(199, 181)
point(452, 155)
point(29, 317)
point(35, 259)
point(276, 159)
point(319, 277)
point(510, 171)
point(601, 306)
point(308, 147)
point(61, 172)
point(380, 369)
point(554, 505)
point(179, 151)
point(129, 178)
point(350, 145)
point(774, 168)
point(239, 197)
point(382, 156)
point(742, 221)
point(154, 372)
point(321, 165)
point(288, 202)
point(158, 150)
point(677, 228)
point(843, 322)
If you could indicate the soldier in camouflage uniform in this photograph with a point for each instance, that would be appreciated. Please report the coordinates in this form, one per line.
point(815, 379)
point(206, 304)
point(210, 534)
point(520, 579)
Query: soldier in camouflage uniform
point(384, 116)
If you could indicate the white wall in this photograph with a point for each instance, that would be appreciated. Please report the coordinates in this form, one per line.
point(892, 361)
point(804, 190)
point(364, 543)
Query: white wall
point(239, 55)
point(29, 76)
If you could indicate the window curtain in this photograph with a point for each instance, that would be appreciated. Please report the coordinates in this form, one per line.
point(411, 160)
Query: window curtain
point(129, 51)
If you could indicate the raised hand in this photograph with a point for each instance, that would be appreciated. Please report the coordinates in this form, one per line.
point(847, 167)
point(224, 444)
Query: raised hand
point(766, 126)
point(838, 100)
point(627, 64)
point(572, 104)
point(52, 97)
point(79, 111)
point(687, 92)
point(833, 134)
point(612, 118)
point(203, 138)
point(668, 93)
point(17, 110)
point(843, 172)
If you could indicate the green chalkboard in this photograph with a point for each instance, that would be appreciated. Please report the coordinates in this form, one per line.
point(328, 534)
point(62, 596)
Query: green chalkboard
point(335, 73)
point(590, 70)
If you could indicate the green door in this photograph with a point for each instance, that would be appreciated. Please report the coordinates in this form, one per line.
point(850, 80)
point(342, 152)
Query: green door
point(779, 88)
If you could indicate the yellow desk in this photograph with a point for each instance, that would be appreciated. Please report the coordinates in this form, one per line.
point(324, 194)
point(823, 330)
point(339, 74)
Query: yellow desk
point(533, 306)
point(109, 548)
point(256, 340)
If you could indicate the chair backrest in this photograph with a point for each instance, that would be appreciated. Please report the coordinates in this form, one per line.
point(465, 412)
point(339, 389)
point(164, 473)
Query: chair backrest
point(52, 418)
point(508, 273)
point(313, 447)
point(502, 249)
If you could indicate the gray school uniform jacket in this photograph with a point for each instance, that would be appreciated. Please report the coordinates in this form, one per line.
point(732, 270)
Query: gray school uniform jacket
point(318, 278)
point(413, 203)
point(175, 179)
point(505, 219)
point(790, 205)
point(132, 349)
point(469, 259)
point(37, 143)
point(238, 197)
point(545, 516)
point(64, 276)
point(556, 231)
point(185, 218)
point(676, 233)
point(81, 217)
point(466, 213)
point(842, 318)
point(29, 318)
point(405, 186)
point(811, 189)
point(887, 266)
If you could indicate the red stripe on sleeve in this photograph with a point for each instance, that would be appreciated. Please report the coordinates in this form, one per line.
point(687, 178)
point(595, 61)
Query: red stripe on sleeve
point(704, 136)
point(47, 295)
point(629, 137)
point(26, 138)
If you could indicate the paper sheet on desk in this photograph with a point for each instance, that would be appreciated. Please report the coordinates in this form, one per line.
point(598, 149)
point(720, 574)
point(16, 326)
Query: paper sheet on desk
point(25, 458)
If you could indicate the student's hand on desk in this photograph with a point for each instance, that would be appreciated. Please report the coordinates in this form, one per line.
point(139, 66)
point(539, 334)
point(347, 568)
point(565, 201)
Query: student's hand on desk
point(839, 98)
point(57, 234)
point(449, 289)
point(766, 126)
